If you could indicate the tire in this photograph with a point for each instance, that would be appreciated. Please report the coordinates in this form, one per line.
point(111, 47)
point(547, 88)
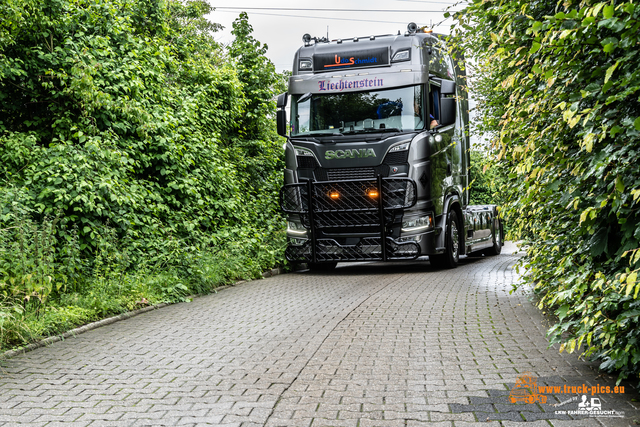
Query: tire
point(322, 266)
point(451, 256)
point(497, 240)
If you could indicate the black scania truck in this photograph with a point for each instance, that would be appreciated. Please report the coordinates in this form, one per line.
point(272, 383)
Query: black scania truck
point(377, 154)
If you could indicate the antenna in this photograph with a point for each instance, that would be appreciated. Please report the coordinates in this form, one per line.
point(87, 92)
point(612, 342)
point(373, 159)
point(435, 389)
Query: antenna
point(327, 32)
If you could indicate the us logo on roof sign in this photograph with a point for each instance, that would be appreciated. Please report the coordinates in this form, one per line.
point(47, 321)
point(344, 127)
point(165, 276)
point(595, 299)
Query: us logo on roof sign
point(353, 59)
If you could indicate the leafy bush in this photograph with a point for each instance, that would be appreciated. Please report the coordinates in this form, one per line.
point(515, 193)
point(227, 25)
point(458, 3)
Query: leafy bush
point(134, 152)
point(558, 85)
point(486, 181)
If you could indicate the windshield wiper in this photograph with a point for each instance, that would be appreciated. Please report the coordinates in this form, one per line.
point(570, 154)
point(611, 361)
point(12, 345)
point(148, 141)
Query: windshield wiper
point(351, 132)
point(387, 130)
point(326, 134)
point(313, 135)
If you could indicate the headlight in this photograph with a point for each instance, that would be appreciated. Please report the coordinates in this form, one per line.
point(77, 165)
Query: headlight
point(304, 65)
point(419, 224)
point(303, 152)
point(403, 55)
point(399, 147)
point(296, 228)
point(417, 239)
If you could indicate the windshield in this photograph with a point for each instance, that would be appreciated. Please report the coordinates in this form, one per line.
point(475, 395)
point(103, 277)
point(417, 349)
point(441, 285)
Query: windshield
point(397, 109)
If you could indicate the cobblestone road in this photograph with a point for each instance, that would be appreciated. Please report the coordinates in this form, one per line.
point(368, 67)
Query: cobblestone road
point(367, 345)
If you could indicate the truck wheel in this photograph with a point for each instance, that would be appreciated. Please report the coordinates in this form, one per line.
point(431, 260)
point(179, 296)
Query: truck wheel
point(451, 255)
point(322, 266)
point(497, 240)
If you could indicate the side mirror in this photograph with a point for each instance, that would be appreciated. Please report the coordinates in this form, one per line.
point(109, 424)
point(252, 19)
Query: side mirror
point(448, 87)
point(447, 111)
point(282, 100)
point(281, 114)
point(281, 122)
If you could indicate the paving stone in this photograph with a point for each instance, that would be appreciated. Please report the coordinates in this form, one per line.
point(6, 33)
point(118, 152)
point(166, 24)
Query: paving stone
point(588, 422)
point(478, 424)
point(370, 344)
point(526, 424)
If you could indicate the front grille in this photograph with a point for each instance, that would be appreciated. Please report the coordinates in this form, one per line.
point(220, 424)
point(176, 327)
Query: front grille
point(398, 193)
point(345, 174)
point(396, 158)
point(307, 162)
point(352, 222)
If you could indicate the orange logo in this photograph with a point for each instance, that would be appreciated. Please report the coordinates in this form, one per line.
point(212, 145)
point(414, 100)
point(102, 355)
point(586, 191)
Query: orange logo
point(526, 390)
point(341, 62)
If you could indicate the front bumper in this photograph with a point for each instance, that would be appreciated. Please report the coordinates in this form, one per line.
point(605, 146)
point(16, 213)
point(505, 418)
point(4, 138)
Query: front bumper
point(356, 220)
point(367, 249)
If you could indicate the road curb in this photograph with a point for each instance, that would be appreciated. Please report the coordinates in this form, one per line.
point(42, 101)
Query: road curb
point(104, 322)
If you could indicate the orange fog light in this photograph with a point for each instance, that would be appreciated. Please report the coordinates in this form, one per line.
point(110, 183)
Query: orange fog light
point(372, 193)
point(334, 195)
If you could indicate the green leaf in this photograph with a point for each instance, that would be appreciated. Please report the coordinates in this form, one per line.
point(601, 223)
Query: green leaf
point(565, 34)
point(589, 139)
point(535, 47)
point(607, 11)
point(536, 26)
point(598, 242)
point(610, 71)
point(636, 124)
point(562, 311)
point(631, 281)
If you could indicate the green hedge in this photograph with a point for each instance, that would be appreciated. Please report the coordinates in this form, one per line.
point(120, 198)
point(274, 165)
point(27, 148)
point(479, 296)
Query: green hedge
point(135, 152)
point(558, 87)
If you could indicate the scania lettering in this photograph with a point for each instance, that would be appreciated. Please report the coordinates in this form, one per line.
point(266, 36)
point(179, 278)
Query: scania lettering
point(377, 154)
point(349, 154)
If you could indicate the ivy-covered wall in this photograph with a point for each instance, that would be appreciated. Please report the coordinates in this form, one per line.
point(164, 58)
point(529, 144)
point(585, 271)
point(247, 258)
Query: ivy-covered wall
point(558, 86)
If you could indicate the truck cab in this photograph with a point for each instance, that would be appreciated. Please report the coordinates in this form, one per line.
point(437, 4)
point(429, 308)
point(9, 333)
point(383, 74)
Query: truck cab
point(377, 153)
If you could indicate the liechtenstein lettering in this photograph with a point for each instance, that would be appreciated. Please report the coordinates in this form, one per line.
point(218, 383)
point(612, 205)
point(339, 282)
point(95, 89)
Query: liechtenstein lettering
point(331, 86)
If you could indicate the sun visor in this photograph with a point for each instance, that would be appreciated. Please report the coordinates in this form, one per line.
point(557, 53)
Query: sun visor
point(328, 84)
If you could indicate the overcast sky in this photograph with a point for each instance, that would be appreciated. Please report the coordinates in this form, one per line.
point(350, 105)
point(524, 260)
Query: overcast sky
point(282, 30)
